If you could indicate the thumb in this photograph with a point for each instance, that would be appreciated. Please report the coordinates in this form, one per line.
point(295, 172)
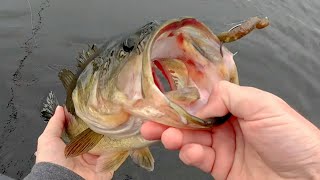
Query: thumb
point(243, 102)
point(56, 123)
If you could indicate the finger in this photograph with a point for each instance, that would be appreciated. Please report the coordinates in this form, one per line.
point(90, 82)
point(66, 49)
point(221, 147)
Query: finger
point(215, 106)
point(241, 101)
point(174, 139)
point(199, 156)
point(152, 131)
point(224, 145)
point(56, 123)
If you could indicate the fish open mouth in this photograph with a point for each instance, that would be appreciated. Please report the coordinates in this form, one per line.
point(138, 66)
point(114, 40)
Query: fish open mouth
point(186, 61)
point(173, 44)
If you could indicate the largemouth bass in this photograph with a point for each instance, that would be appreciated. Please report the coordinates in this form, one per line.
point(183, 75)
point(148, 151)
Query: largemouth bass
point(162, 72)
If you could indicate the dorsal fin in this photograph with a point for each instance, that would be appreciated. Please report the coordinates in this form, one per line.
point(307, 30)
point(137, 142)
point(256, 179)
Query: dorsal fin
point(67, 78)
point(88, 55)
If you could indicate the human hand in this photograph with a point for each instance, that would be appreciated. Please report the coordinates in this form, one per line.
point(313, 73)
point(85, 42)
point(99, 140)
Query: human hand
point(267, 140)
point(51, 149)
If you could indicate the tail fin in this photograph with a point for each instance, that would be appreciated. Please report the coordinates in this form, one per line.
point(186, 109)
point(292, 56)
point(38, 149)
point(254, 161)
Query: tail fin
point(49, 106)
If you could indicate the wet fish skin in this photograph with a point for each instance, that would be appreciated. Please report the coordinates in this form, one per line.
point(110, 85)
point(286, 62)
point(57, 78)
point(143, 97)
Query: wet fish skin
point(116, 89)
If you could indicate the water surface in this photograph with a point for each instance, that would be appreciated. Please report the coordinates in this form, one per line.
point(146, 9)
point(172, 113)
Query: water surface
point(282, 59)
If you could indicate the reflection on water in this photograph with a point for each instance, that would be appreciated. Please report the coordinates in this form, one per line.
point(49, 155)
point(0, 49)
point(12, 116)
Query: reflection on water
point(282, 59)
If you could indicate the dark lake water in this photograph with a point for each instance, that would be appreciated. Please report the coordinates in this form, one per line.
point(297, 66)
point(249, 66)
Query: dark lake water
point(282, 59)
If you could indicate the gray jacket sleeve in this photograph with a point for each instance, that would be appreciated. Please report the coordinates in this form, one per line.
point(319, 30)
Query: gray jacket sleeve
point(50, 171)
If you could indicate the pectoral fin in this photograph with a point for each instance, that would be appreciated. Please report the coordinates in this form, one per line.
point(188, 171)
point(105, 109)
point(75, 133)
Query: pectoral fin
point(111, 160)
point(143, 158)
point(82, 143)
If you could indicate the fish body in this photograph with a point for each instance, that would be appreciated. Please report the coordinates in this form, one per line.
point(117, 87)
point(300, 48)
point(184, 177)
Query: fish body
point(162, 72)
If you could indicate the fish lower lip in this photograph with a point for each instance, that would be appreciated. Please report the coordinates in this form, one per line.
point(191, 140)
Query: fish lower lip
point(186, 118)
point(214, 121)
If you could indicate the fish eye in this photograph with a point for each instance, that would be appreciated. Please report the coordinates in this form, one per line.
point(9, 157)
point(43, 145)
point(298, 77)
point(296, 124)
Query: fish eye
point(128, 45)
point(122, 54)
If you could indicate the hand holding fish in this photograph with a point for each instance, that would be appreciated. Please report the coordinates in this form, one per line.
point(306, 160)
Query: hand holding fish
point(51, 149)
point(267, 140)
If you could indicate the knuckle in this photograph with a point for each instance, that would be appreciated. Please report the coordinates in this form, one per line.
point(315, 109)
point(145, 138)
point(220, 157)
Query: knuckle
point(275, 100)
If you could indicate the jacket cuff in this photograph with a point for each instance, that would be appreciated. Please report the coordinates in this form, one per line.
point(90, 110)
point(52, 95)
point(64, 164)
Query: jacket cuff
point(47, 170)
